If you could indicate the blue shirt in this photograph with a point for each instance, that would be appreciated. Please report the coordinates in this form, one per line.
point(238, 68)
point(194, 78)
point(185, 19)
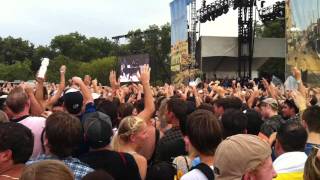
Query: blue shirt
point(309, 147)
point(90, 107)
point(78, 168)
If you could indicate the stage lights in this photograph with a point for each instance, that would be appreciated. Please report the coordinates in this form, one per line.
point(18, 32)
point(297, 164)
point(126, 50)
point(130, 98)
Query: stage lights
point(211, 11)
point(272, 13)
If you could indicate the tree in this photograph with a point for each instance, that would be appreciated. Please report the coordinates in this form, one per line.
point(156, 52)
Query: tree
point(154, 41)
point(274, 29)
point(15, 49)
point(136, 42)
point(77, 46)
point(9, 72)
point(41, 52)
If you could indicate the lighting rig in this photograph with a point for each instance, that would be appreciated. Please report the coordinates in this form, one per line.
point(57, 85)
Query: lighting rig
point(271, 13)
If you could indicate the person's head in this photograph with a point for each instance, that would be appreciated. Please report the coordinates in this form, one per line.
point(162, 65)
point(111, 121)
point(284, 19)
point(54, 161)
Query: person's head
point(63, 133)
point(16, 144)
point(109, 108)
point(73, 101)
point(132, 131)
point(177, 111)
point(254, 121)
point(47, 169)
point(291, 136)
point(234, 103)
point(311, 119)
point(234, 122)
point(269, 108)
point(312, 165)
point(97, 128)
point(17, 101)
point(206, 106)
point(125, 109)
point(289, 108)
point(139, 105)
point(203, 131)
point(243, 157)
point(219, 106)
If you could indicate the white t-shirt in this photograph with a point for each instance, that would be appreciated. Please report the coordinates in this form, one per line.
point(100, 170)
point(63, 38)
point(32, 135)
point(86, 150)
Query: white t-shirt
point(195, 174)
point(36, 125)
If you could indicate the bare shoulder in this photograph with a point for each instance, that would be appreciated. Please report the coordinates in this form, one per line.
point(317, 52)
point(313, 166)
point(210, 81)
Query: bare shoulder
point(140, 159)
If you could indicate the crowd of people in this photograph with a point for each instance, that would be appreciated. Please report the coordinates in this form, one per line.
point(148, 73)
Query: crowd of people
point(79, 129)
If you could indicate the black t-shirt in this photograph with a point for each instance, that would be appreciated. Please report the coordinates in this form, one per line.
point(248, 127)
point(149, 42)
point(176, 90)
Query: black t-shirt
point(121, 166)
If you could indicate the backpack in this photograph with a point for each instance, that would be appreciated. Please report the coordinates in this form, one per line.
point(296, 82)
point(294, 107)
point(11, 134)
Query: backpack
point(206, 170)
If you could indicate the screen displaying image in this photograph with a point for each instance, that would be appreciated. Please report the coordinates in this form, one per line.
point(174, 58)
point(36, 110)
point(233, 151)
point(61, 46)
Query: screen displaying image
point(130, 65)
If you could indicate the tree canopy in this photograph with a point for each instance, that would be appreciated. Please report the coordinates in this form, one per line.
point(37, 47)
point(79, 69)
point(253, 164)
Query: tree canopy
point(85, 55)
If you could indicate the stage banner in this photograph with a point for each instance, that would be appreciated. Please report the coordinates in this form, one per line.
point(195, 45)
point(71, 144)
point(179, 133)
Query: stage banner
point(130, 65)
point(303, 39)
point(179, 20)
point(179, 56)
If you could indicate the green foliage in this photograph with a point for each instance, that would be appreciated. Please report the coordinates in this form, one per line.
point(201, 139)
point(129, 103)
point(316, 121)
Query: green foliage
point(98, 68)
point(53, 73)
point(274, 29)
point(154, 41)
point(17, 71)
point(20, 60)
point(13, 50)
point(77, 46)
point(40, 52)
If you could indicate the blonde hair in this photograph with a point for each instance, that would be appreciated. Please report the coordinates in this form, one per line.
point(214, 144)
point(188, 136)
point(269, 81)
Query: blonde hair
point(47, 169)
point(128, 126)
point(312, 166)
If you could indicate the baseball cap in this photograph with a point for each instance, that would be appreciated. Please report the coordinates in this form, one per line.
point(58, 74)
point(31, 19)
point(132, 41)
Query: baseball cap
point(272, 102)
point(73, 100)
point(97, 129)
point(239, 154)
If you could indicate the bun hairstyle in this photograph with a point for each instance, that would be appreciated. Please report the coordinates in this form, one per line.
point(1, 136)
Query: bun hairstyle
point(128, 126)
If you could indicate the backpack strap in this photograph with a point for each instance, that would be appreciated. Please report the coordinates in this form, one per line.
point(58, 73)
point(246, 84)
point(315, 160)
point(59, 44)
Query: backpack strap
point(123, 158)
point(205, 169)
point(157, 136)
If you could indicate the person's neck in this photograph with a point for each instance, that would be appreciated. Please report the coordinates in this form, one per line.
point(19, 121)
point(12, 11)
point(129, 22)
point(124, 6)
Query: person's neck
point(9, 167)
point(19, 115)
point(313, 138)
point(128, 148)
point(208, 160)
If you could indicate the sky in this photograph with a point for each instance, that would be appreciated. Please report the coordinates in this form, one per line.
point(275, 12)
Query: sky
point(305, 12)
point(40, 20)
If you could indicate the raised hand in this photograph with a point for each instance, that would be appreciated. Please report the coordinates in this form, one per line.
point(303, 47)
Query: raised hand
point(113, 80)
point(63, 69)
point(296, 73)
point(77, 80)
point(299, 100)
point(144, 74)
point(94, 82)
